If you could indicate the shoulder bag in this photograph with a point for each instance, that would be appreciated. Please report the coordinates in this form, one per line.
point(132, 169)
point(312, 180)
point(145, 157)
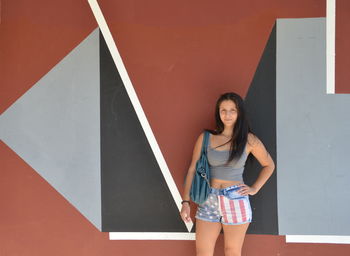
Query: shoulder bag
point(200, 187)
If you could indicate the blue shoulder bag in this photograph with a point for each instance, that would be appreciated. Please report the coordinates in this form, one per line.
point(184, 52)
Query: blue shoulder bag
point(200, 187)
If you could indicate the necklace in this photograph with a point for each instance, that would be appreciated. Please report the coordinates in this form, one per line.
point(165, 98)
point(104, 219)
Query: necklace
point(228, 137)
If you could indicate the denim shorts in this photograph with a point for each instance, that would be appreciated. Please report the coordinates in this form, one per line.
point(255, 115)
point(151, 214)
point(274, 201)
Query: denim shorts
point(226, 206)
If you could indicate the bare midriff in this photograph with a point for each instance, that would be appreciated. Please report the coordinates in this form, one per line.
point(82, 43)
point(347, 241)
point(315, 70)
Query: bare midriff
point(218, 184)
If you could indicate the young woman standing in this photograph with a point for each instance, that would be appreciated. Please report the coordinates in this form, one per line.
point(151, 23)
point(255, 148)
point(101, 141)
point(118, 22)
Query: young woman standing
point(228, 205)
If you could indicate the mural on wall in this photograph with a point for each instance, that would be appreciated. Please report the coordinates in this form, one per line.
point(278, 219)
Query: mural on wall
point(113, 134)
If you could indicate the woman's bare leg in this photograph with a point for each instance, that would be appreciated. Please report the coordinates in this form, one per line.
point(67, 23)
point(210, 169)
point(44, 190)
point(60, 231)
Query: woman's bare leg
point(206, 236)
point(234, 237)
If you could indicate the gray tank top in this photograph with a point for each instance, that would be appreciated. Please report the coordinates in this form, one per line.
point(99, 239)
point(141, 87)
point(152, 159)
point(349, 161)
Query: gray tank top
point(217, 160)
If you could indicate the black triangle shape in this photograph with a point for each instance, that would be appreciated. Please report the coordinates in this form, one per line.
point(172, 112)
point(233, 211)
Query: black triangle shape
point(135, 196)
point(260, 103)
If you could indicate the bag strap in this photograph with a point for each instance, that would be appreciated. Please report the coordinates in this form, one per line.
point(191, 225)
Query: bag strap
point(205, 142)
point(204, 152)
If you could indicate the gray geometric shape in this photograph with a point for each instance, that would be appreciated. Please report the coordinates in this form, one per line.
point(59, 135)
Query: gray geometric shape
point(313, 135)
point(55, 128)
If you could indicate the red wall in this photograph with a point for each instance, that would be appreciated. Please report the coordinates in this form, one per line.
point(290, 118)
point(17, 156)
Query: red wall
point(342, 60)
point(180, 55)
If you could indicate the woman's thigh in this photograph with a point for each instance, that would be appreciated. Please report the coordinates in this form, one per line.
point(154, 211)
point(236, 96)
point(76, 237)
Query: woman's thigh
point(234, 237)
point(206, 236)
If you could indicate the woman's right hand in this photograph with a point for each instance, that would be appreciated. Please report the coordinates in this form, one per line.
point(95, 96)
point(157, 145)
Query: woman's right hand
point(185, 212)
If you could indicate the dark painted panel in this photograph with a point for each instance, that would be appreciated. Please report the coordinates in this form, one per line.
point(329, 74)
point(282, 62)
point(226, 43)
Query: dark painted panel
point(261, 107)
point(135, 196)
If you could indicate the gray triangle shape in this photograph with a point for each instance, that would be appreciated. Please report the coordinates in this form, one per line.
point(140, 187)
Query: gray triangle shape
point(55, 128)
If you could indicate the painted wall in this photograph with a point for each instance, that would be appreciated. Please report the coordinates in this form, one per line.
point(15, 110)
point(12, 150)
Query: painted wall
point(312, 135)
point(69, 128)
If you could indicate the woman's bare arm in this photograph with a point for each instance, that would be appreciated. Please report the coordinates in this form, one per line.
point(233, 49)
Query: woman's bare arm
point(192, 168)
point(185, 209)
point(260, 153)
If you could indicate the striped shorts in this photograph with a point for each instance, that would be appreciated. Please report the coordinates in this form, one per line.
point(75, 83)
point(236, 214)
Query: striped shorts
point(226, 206)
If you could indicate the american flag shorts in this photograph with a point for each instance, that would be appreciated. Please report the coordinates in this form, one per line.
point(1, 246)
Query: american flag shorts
point(226, 206)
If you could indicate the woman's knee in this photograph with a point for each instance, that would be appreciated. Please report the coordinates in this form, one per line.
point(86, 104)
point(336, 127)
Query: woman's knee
point(204, 252)
point(232, 251)
point(205, 248)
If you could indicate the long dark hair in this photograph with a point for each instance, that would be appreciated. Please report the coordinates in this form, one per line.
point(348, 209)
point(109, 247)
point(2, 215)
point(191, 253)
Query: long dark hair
point(240, 129)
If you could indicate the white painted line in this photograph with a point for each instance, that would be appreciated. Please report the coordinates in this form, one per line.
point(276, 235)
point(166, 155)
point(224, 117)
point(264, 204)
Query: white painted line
point(318, 239)
point(330, 46)
point(136, 104)
point(151, 236)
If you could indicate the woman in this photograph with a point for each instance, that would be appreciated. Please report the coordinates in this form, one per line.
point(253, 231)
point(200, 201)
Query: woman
point(228, 204)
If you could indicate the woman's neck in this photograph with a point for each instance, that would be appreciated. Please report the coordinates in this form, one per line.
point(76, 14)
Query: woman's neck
point(227, 132)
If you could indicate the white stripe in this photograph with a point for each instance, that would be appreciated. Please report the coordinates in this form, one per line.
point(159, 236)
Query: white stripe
point(219, 202)
point(136, 104)
point(247, 210)
point(318, 239)
point(151, 236)
point(229, 216)
point(238, 210)
point(330, 46)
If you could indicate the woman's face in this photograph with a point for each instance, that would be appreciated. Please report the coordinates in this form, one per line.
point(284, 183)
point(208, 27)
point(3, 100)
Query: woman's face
point(228, 112)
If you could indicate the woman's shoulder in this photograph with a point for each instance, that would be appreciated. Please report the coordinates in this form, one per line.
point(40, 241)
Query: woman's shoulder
point(252, 138)
point(208, 132)
point(200, 138)
point(252, 141)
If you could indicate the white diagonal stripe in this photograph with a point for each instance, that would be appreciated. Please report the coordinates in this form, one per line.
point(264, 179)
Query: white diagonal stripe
point(136, 104)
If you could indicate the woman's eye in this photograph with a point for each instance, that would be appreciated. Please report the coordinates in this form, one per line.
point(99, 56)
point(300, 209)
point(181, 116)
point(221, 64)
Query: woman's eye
point(228, 111)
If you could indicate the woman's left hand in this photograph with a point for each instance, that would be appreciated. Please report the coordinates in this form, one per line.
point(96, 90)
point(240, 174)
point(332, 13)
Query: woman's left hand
point(246, 190)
